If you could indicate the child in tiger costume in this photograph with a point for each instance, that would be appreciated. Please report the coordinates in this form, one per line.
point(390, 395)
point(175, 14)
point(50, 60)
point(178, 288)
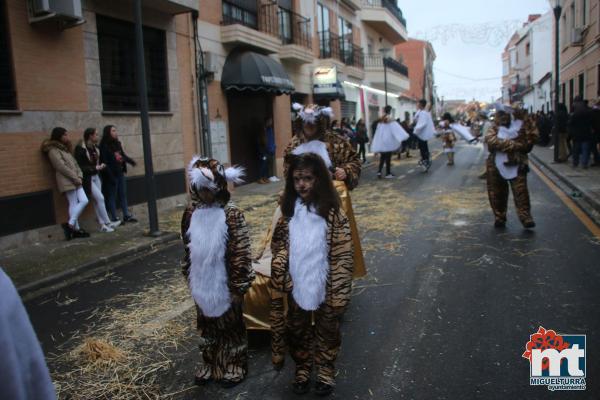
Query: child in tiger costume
point(311, 273)
point(218, 268)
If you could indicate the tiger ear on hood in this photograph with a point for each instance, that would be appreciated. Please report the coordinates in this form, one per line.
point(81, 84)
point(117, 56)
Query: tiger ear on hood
point(235, 174)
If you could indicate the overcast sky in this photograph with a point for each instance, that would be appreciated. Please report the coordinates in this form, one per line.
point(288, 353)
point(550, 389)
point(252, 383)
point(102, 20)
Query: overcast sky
point(468, 37)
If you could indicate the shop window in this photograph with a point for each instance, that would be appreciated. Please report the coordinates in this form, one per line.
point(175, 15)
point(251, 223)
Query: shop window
point(116, 46)
point(581, 86)
point(8, 96)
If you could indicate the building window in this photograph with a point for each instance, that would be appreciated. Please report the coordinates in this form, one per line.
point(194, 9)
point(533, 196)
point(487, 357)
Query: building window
point(323, 30)
point(8, 96)
point(563, 93)
point(571, 91)
point(527, 49)
point(242, 12)
point(116, 47)
point(581, 85)
point(345, 32)
point(584, 12)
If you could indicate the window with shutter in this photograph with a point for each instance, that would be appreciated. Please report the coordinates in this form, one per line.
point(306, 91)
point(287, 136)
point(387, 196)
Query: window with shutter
point(8, 95)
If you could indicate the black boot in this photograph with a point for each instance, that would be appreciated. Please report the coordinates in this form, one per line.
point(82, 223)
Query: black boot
point(68, 231)
point(323, 389)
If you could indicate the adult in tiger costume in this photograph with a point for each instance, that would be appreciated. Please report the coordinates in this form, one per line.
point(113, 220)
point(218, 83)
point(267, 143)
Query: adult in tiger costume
point(218, 268)
point(311, 271)
point(312, 135)
point(509, 142)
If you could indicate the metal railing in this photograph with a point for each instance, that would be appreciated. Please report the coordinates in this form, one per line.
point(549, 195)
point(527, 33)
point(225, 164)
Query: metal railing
point(333, 46)
point(376, 61)
point(262, 17)
point(390, 5)
point(294, 28)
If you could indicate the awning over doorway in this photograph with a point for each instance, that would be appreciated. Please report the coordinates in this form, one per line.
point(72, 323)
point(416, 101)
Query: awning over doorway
point(250, 71)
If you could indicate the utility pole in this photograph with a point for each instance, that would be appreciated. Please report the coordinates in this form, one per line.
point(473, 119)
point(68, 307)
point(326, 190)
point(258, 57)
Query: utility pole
point(143, 102)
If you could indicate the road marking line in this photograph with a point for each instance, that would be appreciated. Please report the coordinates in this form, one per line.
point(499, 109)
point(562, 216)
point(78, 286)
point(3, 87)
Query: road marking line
point(582, 216)
point(402, 177)
point(410, 171)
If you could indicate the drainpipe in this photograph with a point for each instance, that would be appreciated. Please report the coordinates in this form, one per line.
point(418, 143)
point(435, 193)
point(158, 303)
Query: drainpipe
point(202, 88)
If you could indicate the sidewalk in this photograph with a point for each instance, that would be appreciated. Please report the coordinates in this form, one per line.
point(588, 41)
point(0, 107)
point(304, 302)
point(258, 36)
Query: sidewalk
point(44, 264)
point(583, 185)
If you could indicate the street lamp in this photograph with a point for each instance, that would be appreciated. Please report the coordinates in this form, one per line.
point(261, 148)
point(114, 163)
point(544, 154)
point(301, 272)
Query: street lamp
point(384, 53)
point(556, 7)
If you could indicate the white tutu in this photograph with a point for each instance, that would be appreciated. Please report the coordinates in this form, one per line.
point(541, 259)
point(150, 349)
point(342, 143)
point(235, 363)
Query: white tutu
point(388, 137)
point(462, 131)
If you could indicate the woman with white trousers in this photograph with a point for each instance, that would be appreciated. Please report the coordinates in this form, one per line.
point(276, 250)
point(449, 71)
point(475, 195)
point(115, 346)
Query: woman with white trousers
point(87, 155)
point(69, 179)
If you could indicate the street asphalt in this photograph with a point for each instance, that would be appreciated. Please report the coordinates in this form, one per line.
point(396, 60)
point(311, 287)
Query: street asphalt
point(445, 312)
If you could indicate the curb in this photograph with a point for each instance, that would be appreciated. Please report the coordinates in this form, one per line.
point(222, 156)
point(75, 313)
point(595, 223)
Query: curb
point(102, 261)
point(594, 203)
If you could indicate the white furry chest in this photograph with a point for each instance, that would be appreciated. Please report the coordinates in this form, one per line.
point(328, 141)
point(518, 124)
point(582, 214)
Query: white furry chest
point(208, 278)
point(314, 146)
point(309, 261)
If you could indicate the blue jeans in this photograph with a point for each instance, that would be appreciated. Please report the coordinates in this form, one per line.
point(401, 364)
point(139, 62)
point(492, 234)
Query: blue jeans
point(582, 149)
point(113, 190)
point(263, 170)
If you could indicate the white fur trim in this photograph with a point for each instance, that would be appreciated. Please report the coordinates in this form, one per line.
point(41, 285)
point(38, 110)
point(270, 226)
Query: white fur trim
point(314, 146)
point(208, 275)
point(327, 111)
point(297, 107)
point(234, 174)
point(199, 180)
point(309, 263)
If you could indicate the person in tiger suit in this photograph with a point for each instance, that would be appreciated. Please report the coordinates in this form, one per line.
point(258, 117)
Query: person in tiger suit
point(311, 273)
point(218, 268)
point(509, 142)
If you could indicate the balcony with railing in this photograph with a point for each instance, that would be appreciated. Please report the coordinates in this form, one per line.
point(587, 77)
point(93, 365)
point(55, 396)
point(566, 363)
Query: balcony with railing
point(250, 23)
point(386, 18)
point(335, 47)
point(397, 73)
point(294, 31)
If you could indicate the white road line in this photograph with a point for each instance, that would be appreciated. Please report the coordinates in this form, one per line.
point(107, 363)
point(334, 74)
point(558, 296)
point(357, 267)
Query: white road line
point(410, 171)
point(402, 177)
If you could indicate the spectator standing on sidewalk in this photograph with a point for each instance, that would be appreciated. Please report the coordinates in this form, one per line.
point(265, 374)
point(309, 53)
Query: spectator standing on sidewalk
point(580, 128)
point(362, 137)
point(448, 137)
point(87, 155)
point(113, 182)
point(561, 118)
point(69, 179)
point(596, 134)
point(424, 130)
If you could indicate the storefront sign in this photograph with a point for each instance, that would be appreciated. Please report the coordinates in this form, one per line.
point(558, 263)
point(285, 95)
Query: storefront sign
point(326, 83)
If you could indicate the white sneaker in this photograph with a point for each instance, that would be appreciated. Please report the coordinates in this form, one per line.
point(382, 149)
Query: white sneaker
point(274, 179)
point(114, 224)
point(106, 228)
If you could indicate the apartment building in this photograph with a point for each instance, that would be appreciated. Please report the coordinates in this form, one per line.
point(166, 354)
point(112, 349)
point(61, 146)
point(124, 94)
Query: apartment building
point(76, 69)
point(328, 52)
point(419, 56)
point(579, 32)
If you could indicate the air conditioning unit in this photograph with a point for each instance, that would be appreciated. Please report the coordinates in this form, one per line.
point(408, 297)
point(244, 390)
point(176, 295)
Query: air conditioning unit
point(577, 36)
point(211, 62)
point(67, 13)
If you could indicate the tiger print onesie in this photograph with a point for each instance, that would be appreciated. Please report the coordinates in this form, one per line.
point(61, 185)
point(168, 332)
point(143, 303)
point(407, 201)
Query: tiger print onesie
point(309, 343)
point(497, 186)
point(218, 268)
